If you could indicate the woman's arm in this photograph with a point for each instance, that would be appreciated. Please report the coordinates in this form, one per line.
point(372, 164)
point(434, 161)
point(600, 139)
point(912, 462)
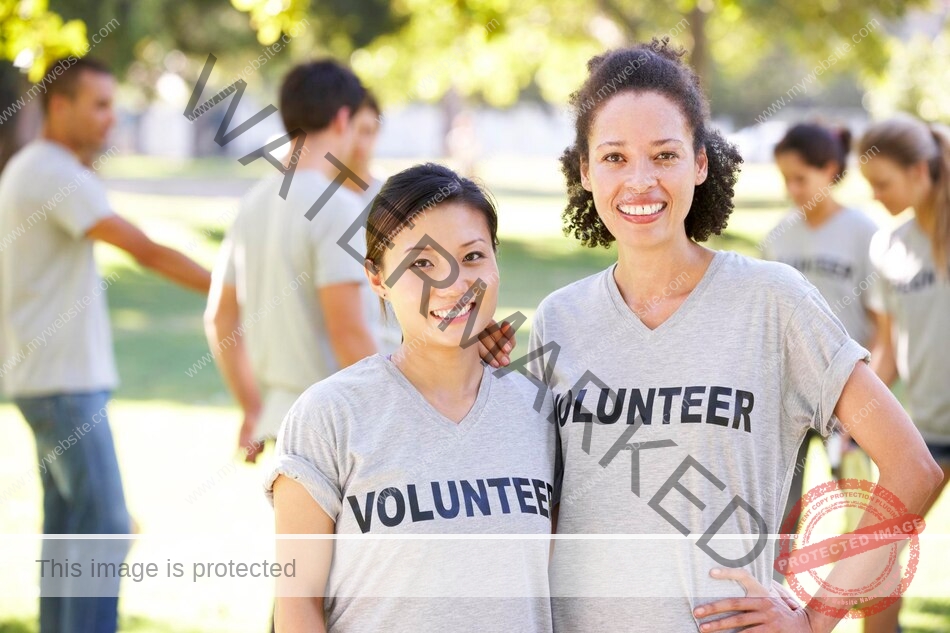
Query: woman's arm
point(297, 513)
point(882, 428)
point(883, 362)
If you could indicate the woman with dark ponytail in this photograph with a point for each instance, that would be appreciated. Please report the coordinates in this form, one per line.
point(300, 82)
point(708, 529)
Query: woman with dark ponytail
point(683, 367)
point(829, 244)
point(908, 166)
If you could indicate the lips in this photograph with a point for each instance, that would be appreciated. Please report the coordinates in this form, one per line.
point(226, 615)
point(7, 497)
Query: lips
point(641, 209)
point(452, 312)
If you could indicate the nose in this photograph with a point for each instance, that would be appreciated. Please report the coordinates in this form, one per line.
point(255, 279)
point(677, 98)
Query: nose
point(465, 280)
point(641, 176)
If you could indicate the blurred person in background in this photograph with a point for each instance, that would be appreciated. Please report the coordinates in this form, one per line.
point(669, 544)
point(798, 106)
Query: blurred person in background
point(54, 320)
point(316, 312)
point(366, 122)
point(909, 168)
point(828, 243)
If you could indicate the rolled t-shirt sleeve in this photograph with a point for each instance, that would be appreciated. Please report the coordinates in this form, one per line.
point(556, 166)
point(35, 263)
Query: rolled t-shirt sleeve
point(79, 202)
point(818, 358)
point(306, 453)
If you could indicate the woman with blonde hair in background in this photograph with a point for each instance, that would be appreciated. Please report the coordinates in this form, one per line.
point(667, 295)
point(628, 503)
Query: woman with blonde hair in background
point(909, 167)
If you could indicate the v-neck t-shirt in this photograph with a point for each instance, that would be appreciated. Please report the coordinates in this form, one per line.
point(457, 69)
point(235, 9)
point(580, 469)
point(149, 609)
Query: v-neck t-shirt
point(668, 432)
point(380, 460)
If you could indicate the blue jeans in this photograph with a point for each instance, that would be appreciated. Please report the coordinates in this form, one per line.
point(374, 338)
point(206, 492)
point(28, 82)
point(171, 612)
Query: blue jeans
point(82, 494)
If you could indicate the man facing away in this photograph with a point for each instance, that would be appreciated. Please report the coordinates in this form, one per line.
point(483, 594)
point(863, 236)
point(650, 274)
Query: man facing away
point(58, 364)
point(288, 305)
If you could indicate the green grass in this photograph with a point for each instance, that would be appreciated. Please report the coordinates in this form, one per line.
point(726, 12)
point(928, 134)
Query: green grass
point(176, 435)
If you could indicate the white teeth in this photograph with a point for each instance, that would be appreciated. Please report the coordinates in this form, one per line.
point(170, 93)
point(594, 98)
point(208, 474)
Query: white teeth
point(445, 313)
point(646, 209)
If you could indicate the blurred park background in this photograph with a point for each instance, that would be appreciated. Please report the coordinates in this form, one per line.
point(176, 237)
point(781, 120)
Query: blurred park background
point(480, 84)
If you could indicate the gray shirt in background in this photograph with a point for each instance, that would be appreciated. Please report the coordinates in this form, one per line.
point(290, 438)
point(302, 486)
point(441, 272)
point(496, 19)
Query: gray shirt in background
point(835, 258)
point(54, 320)
point(381, 461)
point(277, 259)
point(919, 305)
point(725, 389)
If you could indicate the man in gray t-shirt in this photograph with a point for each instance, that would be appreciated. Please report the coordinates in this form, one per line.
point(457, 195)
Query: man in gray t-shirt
point(57, 362)
point(289, 306)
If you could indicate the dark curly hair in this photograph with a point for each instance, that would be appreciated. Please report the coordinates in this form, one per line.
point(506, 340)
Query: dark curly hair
point(655, 67)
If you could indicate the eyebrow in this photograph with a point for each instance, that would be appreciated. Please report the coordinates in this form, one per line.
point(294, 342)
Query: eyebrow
point(423, 248)
point(662, 141)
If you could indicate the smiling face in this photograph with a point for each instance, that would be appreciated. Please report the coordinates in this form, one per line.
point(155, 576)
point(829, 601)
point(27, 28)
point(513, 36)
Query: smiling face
point(641, 168)
point(463, 232)
point(894, 186)
point(803, 181)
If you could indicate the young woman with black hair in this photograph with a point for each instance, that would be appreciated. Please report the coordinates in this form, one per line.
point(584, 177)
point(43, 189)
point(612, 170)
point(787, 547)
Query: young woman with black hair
point(829, 244)
point(422, 442)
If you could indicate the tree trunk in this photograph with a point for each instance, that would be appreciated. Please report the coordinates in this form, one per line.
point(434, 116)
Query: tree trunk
point(699, 58)
point(23, 122)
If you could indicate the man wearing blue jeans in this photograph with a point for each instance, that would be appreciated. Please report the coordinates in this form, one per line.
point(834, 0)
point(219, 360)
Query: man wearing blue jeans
point(56, 358)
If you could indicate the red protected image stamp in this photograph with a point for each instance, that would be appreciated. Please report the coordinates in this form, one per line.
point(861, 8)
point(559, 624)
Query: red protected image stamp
point(871, 580)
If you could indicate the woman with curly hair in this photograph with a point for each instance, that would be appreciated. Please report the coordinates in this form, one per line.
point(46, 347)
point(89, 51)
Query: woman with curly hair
point(684, 378)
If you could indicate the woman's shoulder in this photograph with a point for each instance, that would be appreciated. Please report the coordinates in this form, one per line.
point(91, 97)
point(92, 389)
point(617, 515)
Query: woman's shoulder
point(752, 276)
point(514, 384)
point(576, 293)
point(355, 383)
point(887, 237)
point(861, 220)
point(521, 400)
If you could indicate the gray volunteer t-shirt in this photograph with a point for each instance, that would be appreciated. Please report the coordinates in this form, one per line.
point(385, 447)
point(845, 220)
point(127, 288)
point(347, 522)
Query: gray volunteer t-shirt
point(381, 461)
point(725, 389)
point(54, 320)
point(919, 305)
point(834, 257)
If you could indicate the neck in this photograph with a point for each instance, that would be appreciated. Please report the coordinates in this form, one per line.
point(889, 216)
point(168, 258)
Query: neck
point(437, 370)
point(314, 152)
point(351, 184)
point(645, 272)
point(49, 133)
point(822, 211)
